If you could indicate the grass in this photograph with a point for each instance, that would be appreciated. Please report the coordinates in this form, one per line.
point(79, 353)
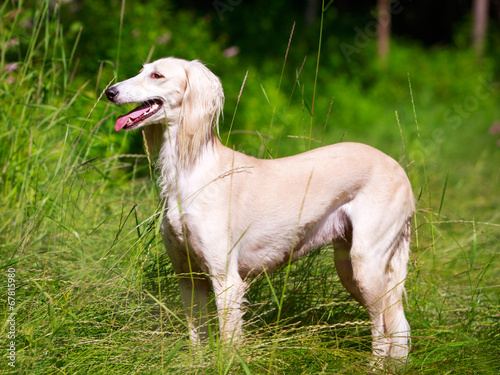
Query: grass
point(95, 292)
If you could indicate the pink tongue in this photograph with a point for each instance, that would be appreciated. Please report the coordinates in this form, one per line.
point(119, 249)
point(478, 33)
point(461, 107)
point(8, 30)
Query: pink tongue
point(136, 113)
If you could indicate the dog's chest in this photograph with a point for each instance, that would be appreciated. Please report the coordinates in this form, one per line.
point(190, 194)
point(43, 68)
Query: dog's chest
point(171, 226)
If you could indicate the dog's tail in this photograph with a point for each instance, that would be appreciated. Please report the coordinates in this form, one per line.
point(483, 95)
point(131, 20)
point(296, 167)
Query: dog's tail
point(397, 328)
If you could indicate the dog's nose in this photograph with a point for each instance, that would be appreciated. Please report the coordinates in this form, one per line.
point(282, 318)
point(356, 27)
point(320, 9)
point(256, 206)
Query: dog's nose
point(112, 93)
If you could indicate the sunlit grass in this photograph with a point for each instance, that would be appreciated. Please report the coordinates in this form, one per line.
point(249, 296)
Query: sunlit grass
point(96, 293)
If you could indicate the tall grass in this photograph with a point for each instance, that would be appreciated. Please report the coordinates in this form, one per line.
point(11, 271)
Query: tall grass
point(96, 293)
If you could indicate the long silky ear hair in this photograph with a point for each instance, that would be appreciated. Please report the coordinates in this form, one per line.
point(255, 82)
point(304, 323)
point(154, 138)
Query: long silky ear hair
point(200, 111)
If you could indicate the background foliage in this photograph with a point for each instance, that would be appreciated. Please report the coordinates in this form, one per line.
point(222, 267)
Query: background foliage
point(94, 290)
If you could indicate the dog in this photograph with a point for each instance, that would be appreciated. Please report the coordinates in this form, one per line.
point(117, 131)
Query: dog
point(228, 216)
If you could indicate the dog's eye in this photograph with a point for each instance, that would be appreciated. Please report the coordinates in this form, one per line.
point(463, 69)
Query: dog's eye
point(156, 75)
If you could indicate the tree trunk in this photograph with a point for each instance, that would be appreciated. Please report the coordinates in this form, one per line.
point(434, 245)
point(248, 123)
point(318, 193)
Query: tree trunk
point(383, 30)
point(480, 10)
point(311, 11)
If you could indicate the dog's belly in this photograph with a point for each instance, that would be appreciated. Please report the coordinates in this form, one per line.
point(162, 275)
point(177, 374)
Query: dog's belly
point(252, 262)
point(272, 250)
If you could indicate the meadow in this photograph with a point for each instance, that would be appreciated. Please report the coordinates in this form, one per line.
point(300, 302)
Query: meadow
point(79, 237)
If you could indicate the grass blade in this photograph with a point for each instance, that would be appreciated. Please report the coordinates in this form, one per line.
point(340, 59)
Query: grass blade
point(236, 108)
point(273, 291)
point(442, 196)
point(173, 352)
point(474, 245)
point(243, 364)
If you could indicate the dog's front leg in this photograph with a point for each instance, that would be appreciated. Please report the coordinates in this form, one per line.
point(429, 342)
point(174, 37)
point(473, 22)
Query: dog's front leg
point(195, 297)
point(229, 296)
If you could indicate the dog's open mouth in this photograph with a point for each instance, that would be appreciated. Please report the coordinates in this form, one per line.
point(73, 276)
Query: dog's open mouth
point(138, 115)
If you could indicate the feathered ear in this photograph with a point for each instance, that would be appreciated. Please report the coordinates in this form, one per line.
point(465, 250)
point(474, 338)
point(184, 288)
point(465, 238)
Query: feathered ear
point(200, 110)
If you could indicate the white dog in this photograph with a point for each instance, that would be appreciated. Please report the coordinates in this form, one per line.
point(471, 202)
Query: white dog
point(229, 216)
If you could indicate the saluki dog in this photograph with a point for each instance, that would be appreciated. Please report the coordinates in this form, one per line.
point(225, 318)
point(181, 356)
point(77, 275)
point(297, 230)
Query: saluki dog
point(228, 216)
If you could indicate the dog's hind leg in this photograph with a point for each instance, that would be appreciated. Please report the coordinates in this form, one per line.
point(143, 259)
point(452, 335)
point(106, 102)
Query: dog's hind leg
point(369, 279)
point(396, 325)
point(379, 258)
point(343, 264)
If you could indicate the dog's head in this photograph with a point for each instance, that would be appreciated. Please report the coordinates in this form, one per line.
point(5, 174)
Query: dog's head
point(173, 92)
point(167, 86)
point(159, 87)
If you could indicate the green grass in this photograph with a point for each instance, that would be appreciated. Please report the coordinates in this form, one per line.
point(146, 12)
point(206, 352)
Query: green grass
point(96, 293)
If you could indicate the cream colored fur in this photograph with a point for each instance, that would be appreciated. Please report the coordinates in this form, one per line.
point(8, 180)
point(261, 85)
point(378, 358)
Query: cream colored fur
point(228, 216)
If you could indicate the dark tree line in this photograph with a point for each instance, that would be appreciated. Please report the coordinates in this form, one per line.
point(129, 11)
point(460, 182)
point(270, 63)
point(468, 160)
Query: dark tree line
point(480, 15)
point(428, 21)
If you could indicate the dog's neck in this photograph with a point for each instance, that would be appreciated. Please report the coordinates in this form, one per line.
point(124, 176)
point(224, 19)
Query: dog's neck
point(174, 167)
